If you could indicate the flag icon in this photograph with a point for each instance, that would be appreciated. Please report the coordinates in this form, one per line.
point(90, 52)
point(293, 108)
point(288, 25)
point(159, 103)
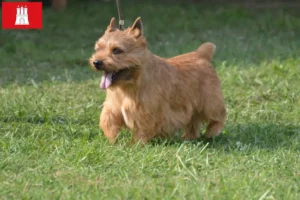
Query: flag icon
point(22, 15)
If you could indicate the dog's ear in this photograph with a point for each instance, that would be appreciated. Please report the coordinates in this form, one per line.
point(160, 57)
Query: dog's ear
point(137, 28)
point(111, 27)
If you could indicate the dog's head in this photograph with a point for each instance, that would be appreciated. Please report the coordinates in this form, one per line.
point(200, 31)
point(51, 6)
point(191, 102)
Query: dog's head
point(119, 54)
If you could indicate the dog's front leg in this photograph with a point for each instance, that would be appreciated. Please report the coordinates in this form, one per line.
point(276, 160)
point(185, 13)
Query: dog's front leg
point(110, 123)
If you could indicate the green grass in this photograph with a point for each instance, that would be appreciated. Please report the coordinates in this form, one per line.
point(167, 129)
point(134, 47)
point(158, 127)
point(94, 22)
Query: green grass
point(50, 143)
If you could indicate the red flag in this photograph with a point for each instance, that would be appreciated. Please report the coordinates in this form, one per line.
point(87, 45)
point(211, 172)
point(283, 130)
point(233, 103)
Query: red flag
point(22, 15)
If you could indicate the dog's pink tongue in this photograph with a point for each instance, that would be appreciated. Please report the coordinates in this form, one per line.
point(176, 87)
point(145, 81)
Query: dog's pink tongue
point(106, 80)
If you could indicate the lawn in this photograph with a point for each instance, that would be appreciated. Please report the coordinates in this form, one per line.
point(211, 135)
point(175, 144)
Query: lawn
point(52, 148)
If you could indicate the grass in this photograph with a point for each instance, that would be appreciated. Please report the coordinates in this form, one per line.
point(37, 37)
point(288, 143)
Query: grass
point(50, 143)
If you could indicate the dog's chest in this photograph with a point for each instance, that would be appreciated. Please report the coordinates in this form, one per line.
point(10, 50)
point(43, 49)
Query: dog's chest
point(125, 117)
point(127, 114)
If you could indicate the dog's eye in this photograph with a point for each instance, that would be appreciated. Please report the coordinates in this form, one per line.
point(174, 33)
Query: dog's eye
point(117, 51)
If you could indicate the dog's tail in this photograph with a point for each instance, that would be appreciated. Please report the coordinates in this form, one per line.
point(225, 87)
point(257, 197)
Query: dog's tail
point(206, 50)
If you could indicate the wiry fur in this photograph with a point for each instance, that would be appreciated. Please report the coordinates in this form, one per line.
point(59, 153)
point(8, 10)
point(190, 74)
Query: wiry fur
point(161, 95)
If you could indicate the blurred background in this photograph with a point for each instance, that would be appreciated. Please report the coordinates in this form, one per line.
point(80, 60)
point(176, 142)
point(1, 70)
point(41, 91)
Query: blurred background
point(245, 32)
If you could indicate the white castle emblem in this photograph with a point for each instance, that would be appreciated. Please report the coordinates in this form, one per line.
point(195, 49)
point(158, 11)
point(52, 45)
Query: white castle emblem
point(22, 16)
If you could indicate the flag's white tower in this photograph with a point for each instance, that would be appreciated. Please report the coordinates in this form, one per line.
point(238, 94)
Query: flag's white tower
point(22, 16)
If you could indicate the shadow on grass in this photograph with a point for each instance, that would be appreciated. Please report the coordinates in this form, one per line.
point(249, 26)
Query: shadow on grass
point(245, 137)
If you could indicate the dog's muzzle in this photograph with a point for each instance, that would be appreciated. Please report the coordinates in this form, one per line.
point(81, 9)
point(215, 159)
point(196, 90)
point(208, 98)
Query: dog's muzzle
point(98, 64)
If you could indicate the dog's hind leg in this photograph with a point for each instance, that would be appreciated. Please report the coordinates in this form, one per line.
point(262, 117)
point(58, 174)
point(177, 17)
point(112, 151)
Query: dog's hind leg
point(192, 130)
point(111, 123)
point(214, 128)
point(215, 112)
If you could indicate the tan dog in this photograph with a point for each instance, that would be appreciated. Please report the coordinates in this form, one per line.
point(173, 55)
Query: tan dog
point(155, 96)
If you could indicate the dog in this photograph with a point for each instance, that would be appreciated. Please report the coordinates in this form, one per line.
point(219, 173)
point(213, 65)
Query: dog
point(154, 96)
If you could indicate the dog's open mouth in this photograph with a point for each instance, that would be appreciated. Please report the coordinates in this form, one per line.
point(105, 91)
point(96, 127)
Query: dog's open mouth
point(109, 78)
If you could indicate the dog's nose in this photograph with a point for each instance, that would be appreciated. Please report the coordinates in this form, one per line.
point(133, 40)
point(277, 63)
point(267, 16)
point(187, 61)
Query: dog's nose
point(98, 64)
